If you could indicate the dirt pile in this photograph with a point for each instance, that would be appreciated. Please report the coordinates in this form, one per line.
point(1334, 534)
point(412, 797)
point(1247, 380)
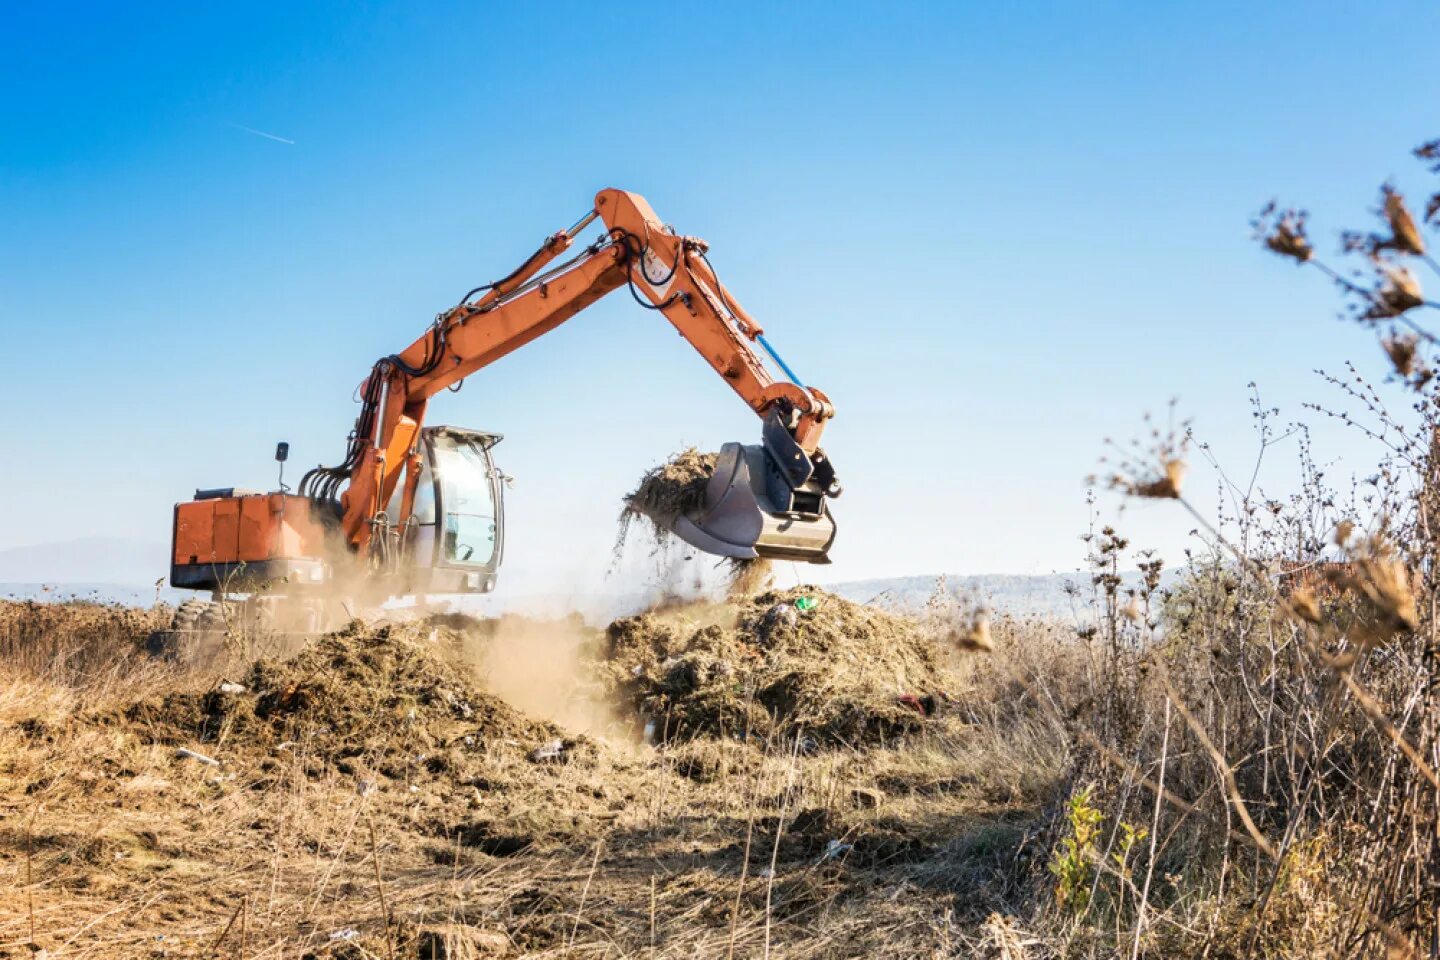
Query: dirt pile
point(374, 691)
point(787, 663)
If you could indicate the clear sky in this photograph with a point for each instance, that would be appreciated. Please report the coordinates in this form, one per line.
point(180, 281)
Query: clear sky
point(994, 233)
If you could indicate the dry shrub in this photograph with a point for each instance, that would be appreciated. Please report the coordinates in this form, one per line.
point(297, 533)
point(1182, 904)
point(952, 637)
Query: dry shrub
point(74, 638)
point(1255, 741)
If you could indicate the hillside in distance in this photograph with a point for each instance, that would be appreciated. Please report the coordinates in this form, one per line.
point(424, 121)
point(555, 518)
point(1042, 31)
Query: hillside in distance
point(1039, 595)
point(112, 569)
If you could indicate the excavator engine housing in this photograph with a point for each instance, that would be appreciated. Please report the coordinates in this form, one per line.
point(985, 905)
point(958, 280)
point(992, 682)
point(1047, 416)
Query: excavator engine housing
point(240, 541)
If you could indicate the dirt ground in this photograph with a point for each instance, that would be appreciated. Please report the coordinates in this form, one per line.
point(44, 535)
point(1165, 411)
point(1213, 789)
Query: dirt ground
point(367, 797)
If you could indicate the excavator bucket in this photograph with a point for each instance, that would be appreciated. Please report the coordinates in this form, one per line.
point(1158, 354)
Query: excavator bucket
point(768, 501)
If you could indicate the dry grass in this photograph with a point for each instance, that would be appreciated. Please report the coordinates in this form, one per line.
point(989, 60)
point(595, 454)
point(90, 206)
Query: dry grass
point(1246, 790)
point(615, 850)
point(75, 640)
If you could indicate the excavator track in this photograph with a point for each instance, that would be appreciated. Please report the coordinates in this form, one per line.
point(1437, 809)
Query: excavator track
point(197, 626)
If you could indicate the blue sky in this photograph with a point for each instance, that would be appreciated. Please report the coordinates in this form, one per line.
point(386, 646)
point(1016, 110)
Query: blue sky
point(994, 233)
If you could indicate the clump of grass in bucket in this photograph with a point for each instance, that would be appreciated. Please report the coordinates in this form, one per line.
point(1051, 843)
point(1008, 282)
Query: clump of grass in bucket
point(670, 490)
point(677, 487)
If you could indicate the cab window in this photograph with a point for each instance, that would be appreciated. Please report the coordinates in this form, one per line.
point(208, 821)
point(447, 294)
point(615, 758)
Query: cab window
point(467, 497)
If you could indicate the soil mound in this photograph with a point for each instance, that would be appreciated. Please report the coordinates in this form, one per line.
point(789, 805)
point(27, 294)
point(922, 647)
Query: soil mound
point(374, 690)
point(787, 663)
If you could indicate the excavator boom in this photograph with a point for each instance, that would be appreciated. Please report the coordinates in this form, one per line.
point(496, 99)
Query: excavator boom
point(767, 500)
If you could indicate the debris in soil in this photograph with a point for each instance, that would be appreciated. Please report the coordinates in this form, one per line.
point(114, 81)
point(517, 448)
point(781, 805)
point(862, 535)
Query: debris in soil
point(550, 752)
point(838, 671)
point(186, 754)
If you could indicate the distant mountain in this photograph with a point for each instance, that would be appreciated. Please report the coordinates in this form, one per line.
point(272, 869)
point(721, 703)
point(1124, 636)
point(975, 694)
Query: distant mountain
point(90, 560)
point(1040, 595)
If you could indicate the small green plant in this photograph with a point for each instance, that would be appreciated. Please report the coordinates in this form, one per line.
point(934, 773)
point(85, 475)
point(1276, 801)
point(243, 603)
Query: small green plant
point(1129, 837)
point(1072, 862)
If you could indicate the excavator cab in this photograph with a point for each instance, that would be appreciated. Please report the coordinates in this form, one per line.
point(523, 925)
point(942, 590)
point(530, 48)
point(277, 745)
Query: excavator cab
point(277, 560)
point(455, 537)
point(765, 501)
point(231, 541)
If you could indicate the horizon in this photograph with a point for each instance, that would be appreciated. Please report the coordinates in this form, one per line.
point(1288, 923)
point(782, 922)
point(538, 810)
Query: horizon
point(88, 578)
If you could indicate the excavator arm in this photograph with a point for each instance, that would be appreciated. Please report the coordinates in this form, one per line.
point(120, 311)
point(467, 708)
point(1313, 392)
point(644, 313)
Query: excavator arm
point(763, 501)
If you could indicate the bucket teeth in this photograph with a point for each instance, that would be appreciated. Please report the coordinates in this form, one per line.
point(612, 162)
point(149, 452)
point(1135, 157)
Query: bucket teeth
point(739, 517)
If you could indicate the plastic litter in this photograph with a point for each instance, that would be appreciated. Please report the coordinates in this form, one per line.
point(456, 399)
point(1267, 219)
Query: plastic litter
point(186, 754)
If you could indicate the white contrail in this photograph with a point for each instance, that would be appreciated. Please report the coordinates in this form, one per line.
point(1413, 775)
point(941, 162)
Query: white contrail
point(261, 133)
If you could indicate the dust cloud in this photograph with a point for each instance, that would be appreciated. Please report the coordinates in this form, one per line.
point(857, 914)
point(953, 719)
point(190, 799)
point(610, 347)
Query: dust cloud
point(544, 667)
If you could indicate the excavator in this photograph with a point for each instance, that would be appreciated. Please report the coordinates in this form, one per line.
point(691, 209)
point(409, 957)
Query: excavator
point(414, 510)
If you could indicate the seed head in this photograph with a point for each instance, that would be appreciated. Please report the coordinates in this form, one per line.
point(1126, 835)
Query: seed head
point(1388, 587)
point(976, 636)
point(1287, 237)
point(1399, 291)
point(1132, 611)
point(1382, 582)
point(1402, 225)
point(1165, 487)
point(1401, 350)
point(1302, 605)
point(1175, 474)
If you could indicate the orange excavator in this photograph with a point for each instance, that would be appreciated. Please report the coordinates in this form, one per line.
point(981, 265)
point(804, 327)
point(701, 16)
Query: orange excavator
point(418, 510)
